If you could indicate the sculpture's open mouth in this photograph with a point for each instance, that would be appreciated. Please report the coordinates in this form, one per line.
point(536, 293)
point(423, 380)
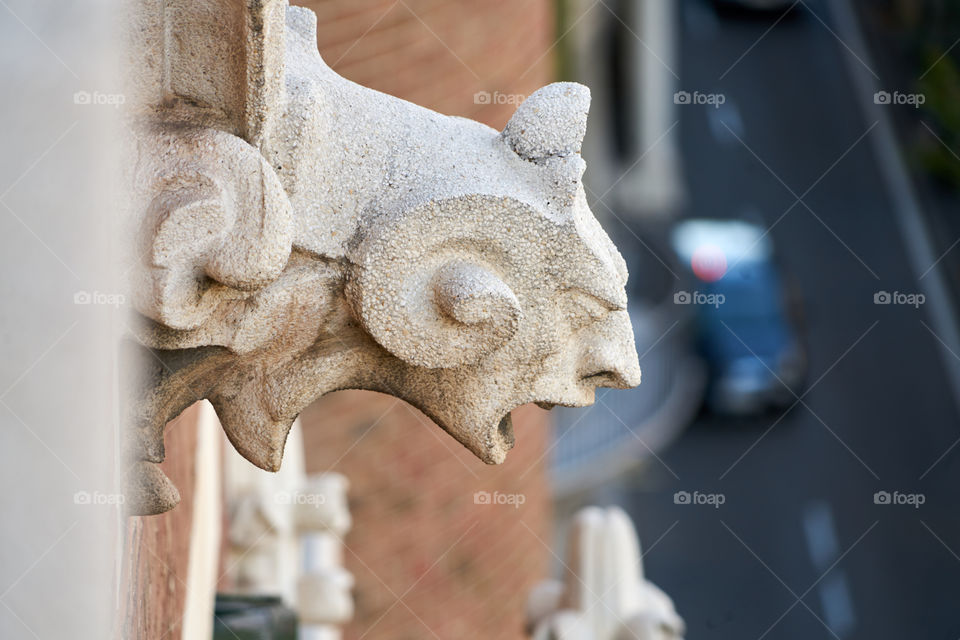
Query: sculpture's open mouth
point(505, 429)
point(490, 439)
point(490, 442)
point(495, 444)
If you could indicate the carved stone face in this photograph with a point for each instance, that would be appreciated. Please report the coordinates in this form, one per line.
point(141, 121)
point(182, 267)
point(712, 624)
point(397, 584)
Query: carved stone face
point(479, 334)
point(489, 300)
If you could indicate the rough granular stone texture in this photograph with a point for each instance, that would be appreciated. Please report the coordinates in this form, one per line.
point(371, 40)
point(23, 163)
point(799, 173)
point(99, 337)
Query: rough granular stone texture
point(298, 234)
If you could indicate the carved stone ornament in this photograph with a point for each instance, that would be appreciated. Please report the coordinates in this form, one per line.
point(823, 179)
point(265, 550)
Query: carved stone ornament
point(604, 594)
point(297, 234)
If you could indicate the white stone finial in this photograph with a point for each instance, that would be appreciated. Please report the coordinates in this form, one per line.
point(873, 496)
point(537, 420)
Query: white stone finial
point(604, 595)
point(324, 599)
point(285, 537)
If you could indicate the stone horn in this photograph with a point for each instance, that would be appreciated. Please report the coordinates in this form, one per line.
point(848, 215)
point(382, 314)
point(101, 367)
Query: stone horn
point(549, 123)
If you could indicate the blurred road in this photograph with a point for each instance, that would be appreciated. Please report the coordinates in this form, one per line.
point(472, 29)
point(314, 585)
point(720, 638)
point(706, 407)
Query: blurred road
point(799, 549)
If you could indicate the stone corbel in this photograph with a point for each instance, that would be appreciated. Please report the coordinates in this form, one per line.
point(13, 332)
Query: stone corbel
point(295, 234)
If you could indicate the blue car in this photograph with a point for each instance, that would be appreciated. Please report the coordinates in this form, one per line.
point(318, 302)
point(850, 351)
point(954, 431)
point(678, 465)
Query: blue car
point(743, 330)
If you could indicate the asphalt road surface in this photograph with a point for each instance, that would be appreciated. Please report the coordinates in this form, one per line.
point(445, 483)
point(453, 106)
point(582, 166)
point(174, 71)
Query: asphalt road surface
point(800, 548)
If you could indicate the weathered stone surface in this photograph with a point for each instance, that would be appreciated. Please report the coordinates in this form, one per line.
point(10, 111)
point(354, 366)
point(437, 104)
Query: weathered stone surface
point(149, 490)
point(300, 234)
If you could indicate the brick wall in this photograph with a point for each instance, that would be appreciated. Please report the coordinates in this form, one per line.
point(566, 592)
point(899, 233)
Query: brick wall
point(439, 53)
point(461, 570)
point(157, 548)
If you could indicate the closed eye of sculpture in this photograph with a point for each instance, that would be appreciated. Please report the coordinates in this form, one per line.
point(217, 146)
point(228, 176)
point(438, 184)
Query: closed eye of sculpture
point(299, 234)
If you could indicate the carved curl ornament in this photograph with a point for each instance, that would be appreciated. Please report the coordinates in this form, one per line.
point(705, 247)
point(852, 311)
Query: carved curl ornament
point(297, 234)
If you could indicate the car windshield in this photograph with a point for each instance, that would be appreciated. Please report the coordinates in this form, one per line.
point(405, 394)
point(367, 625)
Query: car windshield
point(748, 319)
point(750, 291)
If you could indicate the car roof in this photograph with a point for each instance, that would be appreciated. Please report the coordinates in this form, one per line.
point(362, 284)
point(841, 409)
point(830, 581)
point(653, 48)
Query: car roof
point(738, 240)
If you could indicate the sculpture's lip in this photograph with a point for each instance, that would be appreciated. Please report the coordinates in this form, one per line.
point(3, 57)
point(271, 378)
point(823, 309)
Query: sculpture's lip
point(500, 440)
point(497, 440)
point(494, 441)
point(586, 397)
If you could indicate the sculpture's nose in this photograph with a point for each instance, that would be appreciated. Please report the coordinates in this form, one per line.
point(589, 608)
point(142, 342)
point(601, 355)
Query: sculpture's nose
point(611, 361)
point(615, 376)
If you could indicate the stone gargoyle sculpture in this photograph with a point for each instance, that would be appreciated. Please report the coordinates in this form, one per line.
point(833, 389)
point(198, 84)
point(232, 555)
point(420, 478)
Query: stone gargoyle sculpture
point(297, 234)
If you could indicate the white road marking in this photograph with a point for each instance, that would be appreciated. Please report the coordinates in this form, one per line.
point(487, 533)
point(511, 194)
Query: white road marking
point(821, 536)
point(835, 600)
point(836, 603)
